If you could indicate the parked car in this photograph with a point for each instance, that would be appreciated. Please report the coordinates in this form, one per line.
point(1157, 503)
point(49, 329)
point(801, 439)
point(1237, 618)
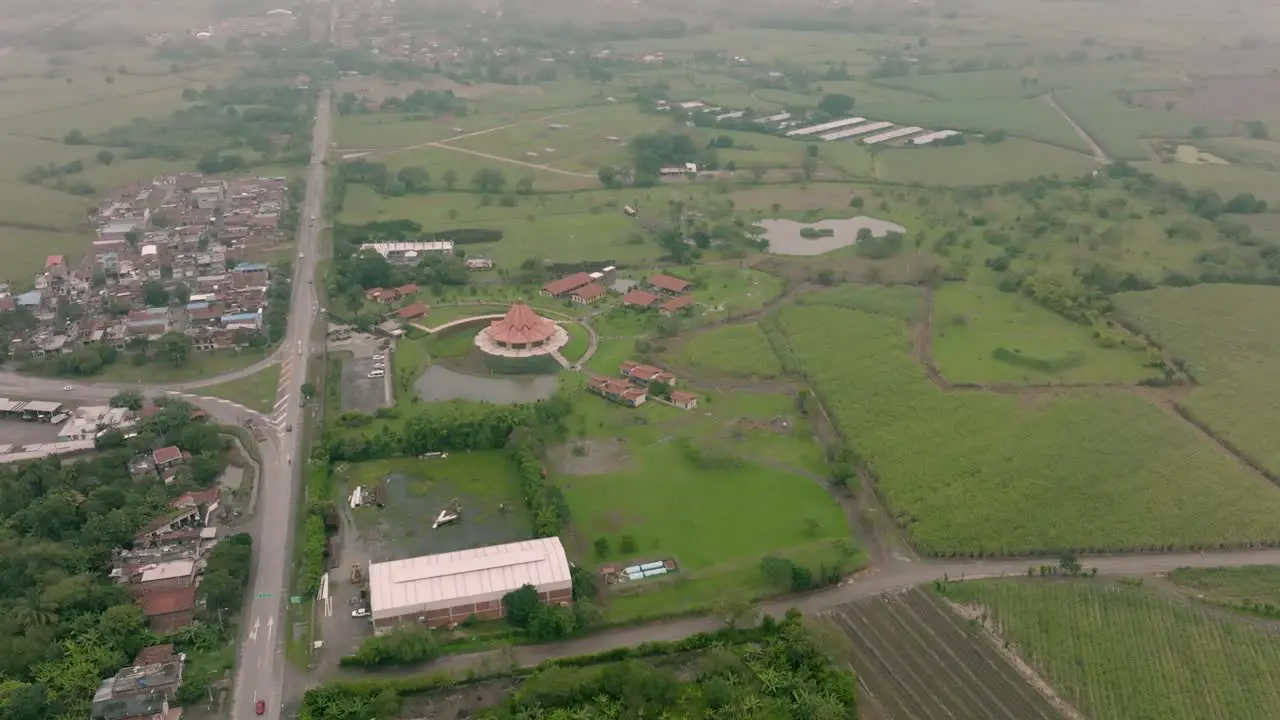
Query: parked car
point(360, 612)
point(379, 357)
point(260, 707)
point(377, 373)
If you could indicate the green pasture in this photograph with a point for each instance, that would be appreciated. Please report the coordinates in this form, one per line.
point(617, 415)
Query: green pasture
point(896, 301)
point(734, 350)
point(1120, 128)
point(1125, 653)
point(1225, 336)
point(1030, 118)
point(977, 163)
point(25, 250)
point(1090, 470)
point(973, 321)
point(578, 343)
point(1226, 180)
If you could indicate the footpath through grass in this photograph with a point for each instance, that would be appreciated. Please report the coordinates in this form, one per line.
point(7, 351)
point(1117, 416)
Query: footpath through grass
point(980, 473)
point(1124, 653)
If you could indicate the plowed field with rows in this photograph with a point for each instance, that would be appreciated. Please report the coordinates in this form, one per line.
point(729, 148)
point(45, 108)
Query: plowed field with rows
point(917, 660)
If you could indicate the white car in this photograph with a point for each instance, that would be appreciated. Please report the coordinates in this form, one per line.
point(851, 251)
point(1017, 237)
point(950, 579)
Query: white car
point(68, 388)
point(376, 374)
point(360, 612)
point(379, 357)
point(300, 256)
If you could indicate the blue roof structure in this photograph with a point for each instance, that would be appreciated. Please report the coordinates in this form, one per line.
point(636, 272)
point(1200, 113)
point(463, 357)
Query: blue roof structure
point(198, 305)
point(29, 299)
point(250, 267)
point(239, 317)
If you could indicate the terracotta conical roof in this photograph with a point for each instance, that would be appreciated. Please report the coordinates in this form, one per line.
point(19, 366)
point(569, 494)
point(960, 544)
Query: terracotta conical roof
point(521, 326)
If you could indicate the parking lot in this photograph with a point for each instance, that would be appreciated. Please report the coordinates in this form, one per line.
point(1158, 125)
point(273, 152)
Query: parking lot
point(22, 432)
point(359, 391)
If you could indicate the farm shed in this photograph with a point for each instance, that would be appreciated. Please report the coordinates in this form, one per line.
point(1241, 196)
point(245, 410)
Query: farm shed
point(824, 127)
point(445, 589)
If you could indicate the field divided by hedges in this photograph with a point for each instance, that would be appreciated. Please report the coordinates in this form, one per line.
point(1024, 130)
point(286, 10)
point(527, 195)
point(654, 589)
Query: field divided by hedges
point(1226, 336)
point(975, 473)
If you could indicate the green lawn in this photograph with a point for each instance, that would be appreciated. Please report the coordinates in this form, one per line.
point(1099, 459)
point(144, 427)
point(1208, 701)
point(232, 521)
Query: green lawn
point(737, 350)
point(1120, 128)
point(976, 163)
point(674, 507)
point(1226, 336)
point(1123, 653)
point(971, 472)
point(578, 343)
point(972, 322)
point(487, 476)
point(257, 391)
point(198, 365)
point(25, 250)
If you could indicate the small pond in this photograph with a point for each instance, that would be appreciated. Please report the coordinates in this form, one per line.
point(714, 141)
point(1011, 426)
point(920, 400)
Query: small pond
point(785, 239)
point(440, 384)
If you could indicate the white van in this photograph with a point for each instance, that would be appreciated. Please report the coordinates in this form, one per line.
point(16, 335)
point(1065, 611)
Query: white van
point(377, 373)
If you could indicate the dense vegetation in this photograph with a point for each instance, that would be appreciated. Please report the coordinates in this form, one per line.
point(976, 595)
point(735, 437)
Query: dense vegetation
point(63, 624)
point(770, 671)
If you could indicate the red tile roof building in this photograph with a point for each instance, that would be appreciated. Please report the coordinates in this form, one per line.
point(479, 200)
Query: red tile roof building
point(169, 610)
point(410, 312)
point(617, 390)
point(676, 304)
point(166, 456)
point(521, 327)
point(639, 298)
point(565, 285)
point(409, 289)
point(684, 400)
point(588, 293)
point(646, 373)
point(668, 284)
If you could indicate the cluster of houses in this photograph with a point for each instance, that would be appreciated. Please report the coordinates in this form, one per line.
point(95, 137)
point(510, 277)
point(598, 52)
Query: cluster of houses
point(666, 294)
point(145, 689)
point(184, 229)
point(637, 383)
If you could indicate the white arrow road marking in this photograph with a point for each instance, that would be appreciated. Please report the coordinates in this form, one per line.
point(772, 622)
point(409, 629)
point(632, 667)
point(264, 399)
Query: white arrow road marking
point(253, 632)
point(271, 622)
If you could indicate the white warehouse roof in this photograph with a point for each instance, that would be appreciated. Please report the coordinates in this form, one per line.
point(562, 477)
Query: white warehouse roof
point(833, 125)
point(386, 248)
point(892, 135)
point(434, 582)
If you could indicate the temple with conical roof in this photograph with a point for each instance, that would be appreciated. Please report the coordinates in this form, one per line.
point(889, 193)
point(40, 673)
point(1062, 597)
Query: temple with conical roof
point(521, 333)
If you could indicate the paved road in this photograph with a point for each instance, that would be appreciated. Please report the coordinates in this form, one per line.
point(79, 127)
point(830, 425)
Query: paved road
point(896, 576)
point(260, 666)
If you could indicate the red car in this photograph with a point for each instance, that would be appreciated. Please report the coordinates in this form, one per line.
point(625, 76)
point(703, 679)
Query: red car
point(261, 707)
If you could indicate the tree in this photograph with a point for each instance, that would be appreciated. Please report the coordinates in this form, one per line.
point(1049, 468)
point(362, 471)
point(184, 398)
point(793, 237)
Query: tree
point(1069, 563)
point(808, 166)
point(308, 391)
point(130, 399)
point(450, 178)
point(628, 545)
point(488, 180)
point(602, 547)
point(608, 176)
point(734, 610)
point(522, 605)
point(776, 570)
point(175, 348)
point(182, 293)
point(106, 157)
point(415, 179)
point(524, 186)
point(75, 137)
point(836, 104)
point(1257, 130)
point(154, 294)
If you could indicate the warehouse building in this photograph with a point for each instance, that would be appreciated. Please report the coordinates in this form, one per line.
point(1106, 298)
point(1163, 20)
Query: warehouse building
point(442, 590)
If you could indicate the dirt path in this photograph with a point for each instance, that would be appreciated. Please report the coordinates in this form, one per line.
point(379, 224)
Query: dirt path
point(511, 161)
point(1098, 153)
